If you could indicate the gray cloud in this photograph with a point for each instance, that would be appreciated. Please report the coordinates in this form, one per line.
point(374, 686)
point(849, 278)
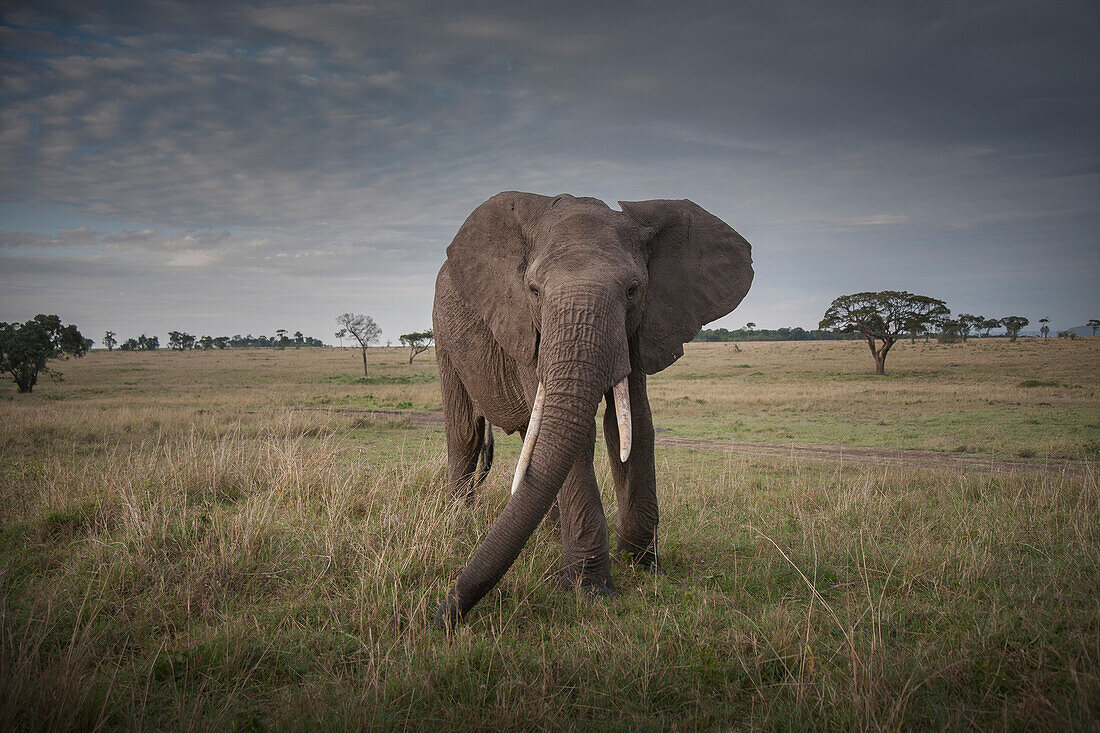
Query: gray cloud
point(340, 145)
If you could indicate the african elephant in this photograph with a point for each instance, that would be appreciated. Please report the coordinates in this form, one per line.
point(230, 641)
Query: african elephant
point(545, 305)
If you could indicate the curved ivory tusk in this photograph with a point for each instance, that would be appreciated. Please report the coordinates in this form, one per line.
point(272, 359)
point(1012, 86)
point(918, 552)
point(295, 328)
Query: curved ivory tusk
point(622, 414)
point(529, 437)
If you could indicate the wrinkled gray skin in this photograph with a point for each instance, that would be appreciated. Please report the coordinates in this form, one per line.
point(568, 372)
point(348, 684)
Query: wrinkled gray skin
point(571, 293)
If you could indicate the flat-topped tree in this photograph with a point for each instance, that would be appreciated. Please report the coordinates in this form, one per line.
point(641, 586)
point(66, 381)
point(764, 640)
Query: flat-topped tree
point(418, 342)
point(988, 325)
point(1093, 324)
point(883, 317)
point(363, 328)
point(1013, 324)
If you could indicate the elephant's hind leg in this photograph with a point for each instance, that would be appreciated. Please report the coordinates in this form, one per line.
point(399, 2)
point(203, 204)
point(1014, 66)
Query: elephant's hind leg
point(468, 435)
point(486, 454)
point(635, 480)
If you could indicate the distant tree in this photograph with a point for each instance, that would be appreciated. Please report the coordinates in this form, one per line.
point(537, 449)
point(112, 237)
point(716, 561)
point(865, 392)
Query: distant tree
point(750, 326)
point(988, 325)
point(221, 342)
point(130, 344)
point(25, 348)
point(950, 331)
point(1067, 335)
point(1045, 330)
point(968, 323)
point(148, 343)
point(418, 342)
point(109, 340)
point(178, 340)
point(1013, 324)
point(363, 329)
point(299, 339)
point(1094, 324)
point(206, 343)
point(883, 317)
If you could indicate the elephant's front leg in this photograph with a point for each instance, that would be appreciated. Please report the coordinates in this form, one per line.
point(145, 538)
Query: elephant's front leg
point(635, 480)
point(584, 535)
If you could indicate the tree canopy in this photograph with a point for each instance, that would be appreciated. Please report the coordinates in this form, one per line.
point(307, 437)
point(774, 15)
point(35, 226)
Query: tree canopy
point(883, 317)
point(26, 348)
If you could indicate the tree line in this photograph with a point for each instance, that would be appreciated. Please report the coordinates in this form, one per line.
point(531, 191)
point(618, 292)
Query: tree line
point(785, 333)
point(183, 341)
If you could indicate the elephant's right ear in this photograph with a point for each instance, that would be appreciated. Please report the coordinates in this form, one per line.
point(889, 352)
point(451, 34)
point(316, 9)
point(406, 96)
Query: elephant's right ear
point(487, 264)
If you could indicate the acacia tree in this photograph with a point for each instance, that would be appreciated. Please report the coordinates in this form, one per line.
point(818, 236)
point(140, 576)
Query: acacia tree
point(968, 323)
point(883, 317)
point(418, 342)
point(1013, 324)
point(363, 328)
point(988, 325)
point(109, 340)
point(1094, 324)
point(25, 348)
point(1045, 330)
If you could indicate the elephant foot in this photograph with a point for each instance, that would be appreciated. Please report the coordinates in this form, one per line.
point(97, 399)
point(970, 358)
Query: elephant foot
point(646, 560)
point(593, 585)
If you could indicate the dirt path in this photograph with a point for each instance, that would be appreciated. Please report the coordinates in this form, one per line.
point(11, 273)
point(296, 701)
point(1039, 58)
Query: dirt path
point(831, 453)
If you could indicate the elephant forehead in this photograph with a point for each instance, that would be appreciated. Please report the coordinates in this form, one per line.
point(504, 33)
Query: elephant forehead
point(587, 228)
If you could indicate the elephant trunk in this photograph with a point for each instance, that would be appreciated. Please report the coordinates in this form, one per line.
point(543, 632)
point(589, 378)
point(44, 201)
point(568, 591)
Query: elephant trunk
point(582, 350)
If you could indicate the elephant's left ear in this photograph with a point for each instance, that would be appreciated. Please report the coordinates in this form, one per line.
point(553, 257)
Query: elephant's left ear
point(699, 270)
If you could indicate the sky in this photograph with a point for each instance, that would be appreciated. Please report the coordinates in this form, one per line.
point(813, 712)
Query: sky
point(239, 167)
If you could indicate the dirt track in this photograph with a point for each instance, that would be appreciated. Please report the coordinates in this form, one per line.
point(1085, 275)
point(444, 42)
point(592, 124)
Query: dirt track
point(831, 453)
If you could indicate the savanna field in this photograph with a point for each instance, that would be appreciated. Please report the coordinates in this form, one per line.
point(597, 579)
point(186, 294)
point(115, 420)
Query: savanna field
point(258, 538)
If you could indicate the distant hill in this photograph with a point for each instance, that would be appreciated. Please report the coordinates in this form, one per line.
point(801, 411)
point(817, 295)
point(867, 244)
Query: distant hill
point(1080, 330)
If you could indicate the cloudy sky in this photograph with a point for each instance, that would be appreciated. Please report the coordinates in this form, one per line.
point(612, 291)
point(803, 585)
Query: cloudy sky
point(238, 167)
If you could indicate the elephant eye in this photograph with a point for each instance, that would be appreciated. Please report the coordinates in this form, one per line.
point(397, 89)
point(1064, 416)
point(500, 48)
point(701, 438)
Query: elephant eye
point(534, 289)
point(632, 290)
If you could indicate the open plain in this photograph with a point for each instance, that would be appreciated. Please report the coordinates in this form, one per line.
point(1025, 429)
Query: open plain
point(258, 538)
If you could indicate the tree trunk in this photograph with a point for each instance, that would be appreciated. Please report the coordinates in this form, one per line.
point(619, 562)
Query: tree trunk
point(364, 361)
point(880, 356)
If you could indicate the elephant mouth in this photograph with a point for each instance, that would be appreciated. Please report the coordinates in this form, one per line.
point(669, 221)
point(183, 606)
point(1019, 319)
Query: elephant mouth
point(621, 392)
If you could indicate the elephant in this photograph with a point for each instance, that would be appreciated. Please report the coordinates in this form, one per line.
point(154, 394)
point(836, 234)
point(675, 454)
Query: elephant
point(544, 306)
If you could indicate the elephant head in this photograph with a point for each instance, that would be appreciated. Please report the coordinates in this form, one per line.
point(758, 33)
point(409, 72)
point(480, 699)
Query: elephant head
point(578, 297)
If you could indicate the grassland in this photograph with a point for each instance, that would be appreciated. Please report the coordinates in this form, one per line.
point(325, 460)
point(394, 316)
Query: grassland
point(231, 540)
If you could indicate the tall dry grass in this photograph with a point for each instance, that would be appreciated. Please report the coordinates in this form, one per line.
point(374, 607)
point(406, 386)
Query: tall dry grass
point(242, 563)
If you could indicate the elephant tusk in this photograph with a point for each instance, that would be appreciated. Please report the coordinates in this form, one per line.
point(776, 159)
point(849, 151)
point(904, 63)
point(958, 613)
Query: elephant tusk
point(622, 413)
point(529, 437)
